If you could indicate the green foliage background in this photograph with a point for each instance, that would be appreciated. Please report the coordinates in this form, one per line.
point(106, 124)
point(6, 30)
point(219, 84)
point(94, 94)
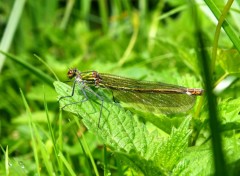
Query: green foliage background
point(145, 40)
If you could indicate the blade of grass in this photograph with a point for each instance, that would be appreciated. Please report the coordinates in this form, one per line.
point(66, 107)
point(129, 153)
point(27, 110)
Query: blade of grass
point(12, 166)
point(44, 153)
point(6, 162)
point(217, 32)
point(105, 166)
point(85, 7)
point(67, 14)
point(220, 167)
point(172, 12)
point(55, 148)
point(11, 28)
point(127, 52)
point(33, 139)
point(226, 26)
point(104, 14)
point(60, 140)
point(33, 70)
point(68, 166)
point(87, 150)
point(88, 168)
point(41, 60)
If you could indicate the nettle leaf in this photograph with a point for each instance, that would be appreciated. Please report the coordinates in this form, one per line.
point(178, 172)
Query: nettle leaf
point(172, 149)
point(116, 126)
point(232, 149)
point(121, 131)
point(230, 114)
point(197, 161)
point(146, 167)
point(230, 109)
point(229, 60)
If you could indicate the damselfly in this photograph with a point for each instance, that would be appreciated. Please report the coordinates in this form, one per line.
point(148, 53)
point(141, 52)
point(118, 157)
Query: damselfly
point(154, 97)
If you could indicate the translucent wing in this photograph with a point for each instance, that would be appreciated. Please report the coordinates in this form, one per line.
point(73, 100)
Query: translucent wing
point(156, 103)
point(148, 96)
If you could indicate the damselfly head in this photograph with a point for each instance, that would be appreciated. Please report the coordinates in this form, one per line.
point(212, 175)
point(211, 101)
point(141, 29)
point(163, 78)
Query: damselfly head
point(72, 73)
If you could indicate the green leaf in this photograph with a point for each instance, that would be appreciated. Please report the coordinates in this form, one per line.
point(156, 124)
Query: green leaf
point(146, 167)
point(229, 60)
point(116, 126)
point(229, 111)
point(121, 131)
point(197, 161)
point(172, 149)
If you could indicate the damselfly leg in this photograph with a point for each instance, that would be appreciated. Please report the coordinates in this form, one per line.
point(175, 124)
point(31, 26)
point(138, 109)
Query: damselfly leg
point(84, 89)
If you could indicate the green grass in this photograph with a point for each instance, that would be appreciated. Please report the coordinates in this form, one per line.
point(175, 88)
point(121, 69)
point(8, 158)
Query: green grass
point(144, 40)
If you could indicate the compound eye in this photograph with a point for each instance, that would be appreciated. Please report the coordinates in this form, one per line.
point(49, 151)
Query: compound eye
point(71, 73)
